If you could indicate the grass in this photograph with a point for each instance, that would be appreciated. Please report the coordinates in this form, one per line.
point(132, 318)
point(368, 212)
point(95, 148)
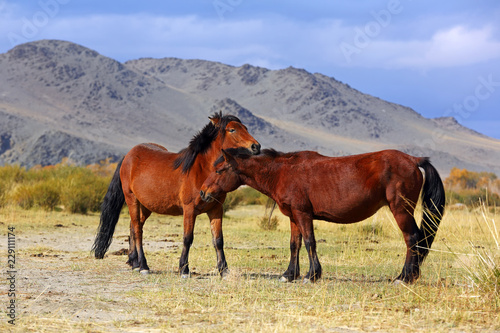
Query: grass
point(61, 287)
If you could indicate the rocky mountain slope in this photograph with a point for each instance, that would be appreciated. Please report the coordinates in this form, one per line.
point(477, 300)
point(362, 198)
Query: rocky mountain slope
point(60, 99)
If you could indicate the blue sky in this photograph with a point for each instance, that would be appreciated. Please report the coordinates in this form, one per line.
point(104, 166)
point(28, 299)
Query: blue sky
point(439, 58)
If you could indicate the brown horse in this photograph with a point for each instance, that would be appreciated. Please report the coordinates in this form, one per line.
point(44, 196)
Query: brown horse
point(307, 186)
point(151, 179)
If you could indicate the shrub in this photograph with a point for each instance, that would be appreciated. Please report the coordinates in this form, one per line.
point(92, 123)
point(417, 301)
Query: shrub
point(83, 192)
point(4, 190)
point(372, 229)
point(243, 196)
point(252, 196)
point(233, 199)
point(471, 197)
point(79, 189)
point(269, 223)
point(45, 195)
point(12, 173)
point(23, 197)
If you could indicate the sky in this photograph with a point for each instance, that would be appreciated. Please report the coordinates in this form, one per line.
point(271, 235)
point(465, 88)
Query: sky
point(441, 59)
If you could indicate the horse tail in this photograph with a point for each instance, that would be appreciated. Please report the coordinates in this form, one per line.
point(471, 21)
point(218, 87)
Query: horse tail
point(110, 212)
point(433, 200)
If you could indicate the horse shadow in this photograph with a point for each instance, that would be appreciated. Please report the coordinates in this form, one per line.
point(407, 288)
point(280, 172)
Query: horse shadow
point(276, 277)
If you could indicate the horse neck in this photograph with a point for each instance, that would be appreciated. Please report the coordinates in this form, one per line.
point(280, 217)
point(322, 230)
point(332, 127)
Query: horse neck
point(259, 173)
point(204, 163)
point(214, 152)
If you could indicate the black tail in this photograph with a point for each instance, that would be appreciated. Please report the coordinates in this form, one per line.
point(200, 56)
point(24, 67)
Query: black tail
point(433, 198)
point(110, 212)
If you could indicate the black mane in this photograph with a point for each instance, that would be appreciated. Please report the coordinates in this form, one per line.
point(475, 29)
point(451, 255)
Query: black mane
point(200, 143)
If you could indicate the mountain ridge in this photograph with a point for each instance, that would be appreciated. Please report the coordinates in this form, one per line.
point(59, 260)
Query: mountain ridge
point(102, 107)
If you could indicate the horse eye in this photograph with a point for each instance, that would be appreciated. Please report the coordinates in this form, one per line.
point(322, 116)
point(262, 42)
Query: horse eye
point(217, 172)
point(232, 130)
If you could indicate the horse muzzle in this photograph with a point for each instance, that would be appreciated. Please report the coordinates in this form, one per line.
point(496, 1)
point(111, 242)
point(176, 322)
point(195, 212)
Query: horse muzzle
point(255, 148)
point(206, 196)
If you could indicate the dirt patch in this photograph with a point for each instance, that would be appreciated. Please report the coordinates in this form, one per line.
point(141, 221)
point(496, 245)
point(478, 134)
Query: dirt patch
point(58, 280)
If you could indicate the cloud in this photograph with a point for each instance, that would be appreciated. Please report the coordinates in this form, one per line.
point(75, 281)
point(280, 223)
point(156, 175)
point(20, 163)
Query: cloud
point(125, 37)
point(273, 41)
point(452, 47)
point(456, 46)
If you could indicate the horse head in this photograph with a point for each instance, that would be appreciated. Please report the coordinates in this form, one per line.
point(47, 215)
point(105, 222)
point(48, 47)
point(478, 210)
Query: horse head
point(226, 177)
point(234, 134)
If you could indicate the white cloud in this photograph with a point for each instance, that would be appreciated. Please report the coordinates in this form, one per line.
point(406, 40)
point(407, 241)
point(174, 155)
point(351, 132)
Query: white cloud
point(271, 41)
point(456, 46)
point(452, 47)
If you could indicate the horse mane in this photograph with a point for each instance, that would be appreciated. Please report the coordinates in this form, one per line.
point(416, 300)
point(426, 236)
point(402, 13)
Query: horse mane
point(200, 143)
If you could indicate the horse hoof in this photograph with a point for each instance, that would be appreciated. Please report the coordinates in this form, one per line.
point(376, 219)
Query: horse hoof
point(136, 269)
point(284, 279)
point(144, 271)
point(185, 276)
point(225, 274)
point(397, 282)
point(306, 281)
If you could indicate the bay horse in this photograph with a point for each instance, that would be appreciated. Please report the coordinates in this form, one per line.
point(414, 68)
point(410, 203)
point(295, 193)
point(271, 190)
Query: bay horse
point(151, 179)
point(306, 186)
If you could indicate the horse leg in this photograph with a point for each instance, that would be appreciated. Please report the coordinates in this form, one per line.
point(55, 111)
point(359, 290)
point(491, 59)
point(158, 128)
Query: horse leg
point(293, 271)
point(215, 216)
point(132, 204)
point(137, 258)
point(411, 234)
point(132, 253)
point(143, 265)
point(305, 224)
point(189, 220)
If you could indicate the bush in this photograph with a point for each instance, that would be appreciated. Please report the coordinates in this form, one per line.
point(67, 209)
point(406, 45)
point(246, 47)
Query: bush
point(243, 196)
point(233, 199)
point(23, 196)
point(4, 190)
point(78, 189)
point(269, 223)
point(45, 195)
point(252, 196)
point(472, 197)
point(372, 229)
point(12, 173)
point(83, 192)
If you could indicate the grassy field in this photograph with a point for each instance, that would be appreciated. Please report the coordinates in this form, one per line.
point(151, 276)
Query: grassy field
point(59, 286)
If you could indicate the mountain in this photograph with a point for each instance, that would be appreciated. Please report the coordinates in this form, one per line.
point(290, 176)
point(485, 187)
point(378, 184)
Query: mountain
point(59, 99)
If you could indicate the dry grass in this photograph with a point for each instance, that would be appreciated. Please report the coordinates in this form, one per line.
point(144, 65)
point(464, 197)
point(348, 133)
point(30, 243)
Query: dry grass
point(62, 288)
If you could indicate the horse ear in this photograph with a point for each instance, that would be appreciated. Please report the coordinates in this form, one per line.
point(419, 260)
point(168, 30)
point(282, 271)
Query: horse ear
point(215, 119)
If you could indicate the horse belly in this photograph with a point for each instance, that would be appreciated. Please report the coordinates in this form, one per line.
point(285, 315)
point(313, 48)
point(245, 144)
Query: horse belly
point(160, 202)
point(346, 210)
point(158, 195)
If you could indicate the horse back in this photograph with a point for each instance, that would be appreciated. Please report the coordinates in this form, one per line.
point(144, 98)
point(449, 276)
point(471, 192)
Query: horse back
point(351, 188)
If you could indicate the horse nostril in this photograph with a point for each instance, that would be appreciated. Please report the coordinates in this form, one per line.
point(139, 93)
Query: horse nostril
point(256, 148)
